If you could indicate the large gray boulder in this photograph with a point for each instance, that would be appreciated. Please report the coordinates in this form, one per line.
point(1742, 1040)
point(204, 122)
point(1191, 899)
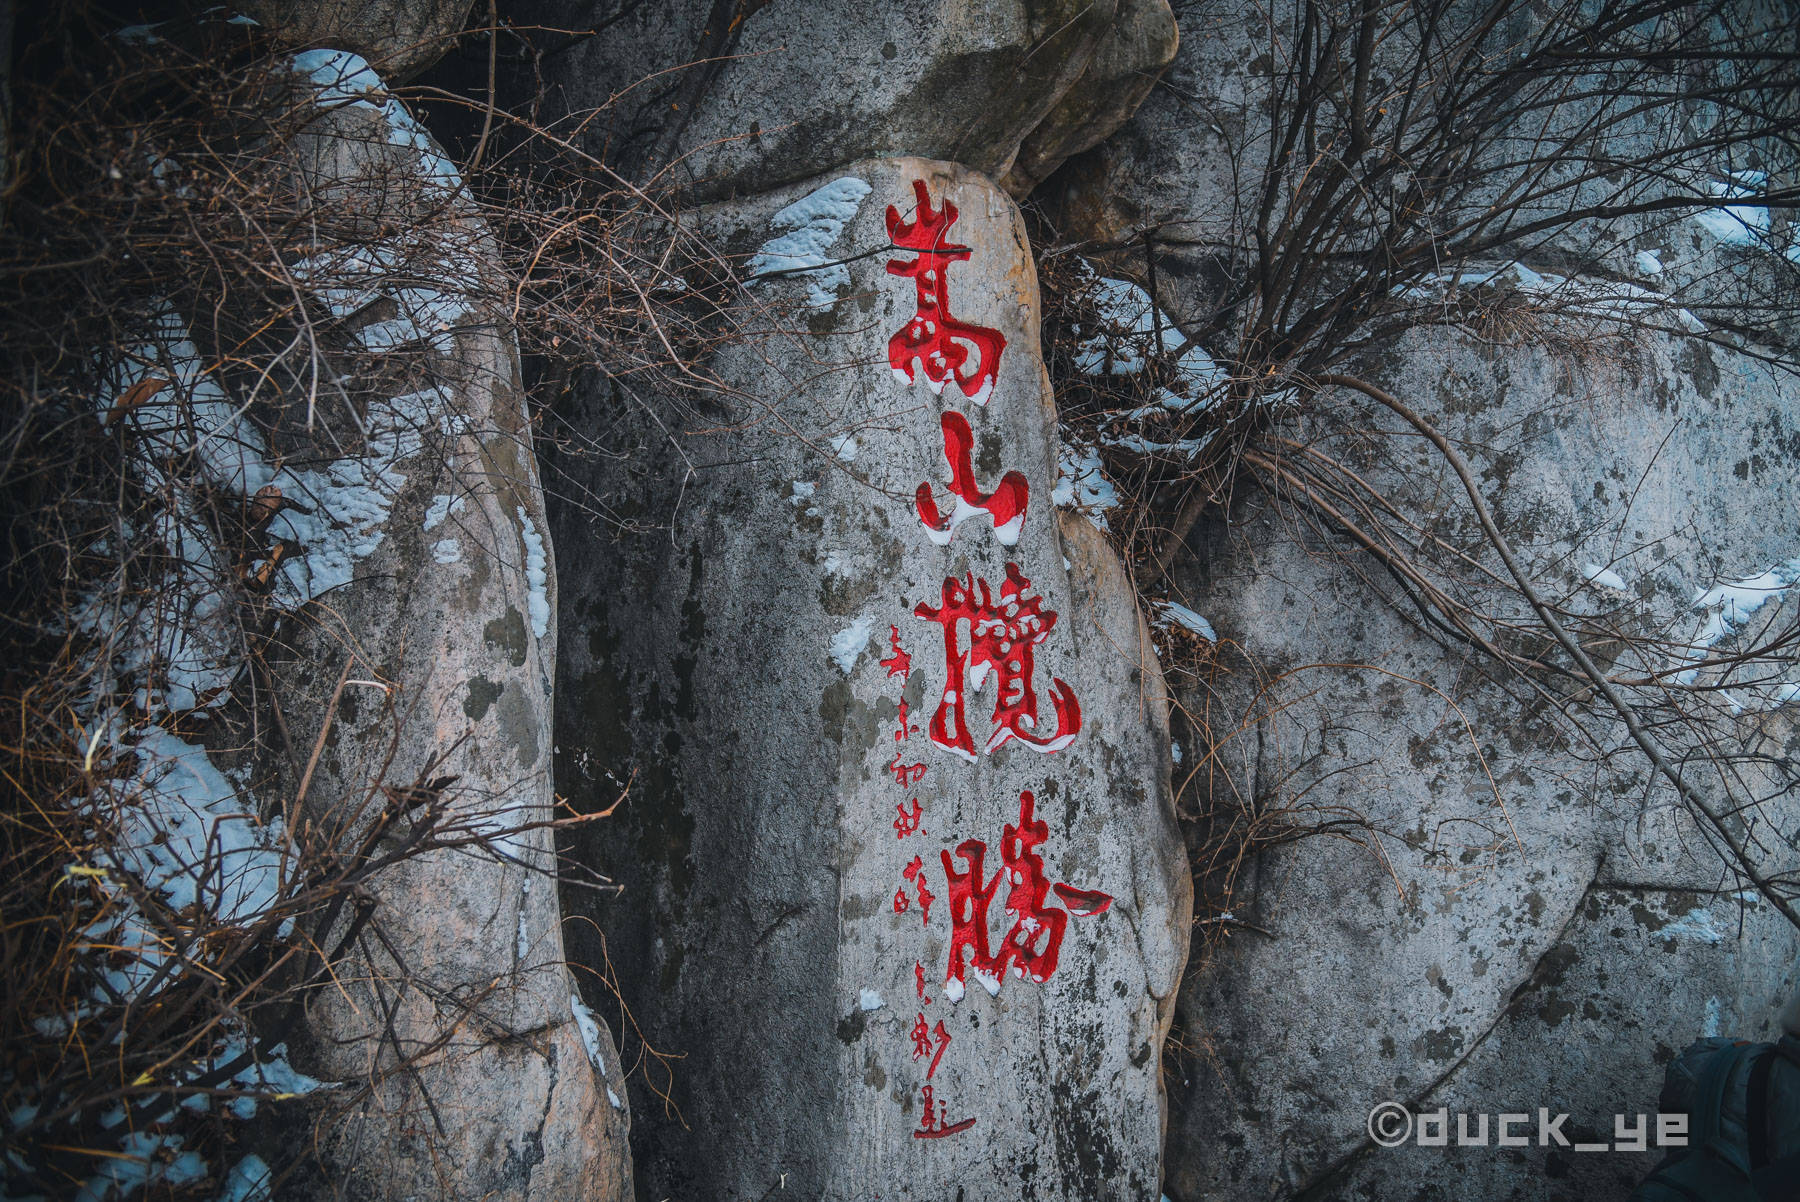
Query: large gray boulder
point(1186, 172)
point(747, 97)
point(465, 1063)
point(400, 38)
point(900, 880)
point(1505, 909)
point(1132, 54)
point(1508, 910)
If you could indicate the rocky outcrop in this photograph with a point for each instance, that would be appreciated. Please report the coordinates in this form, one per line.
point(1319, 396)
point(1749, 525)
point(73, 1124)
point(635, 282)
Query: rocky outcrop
point(1170, 168)
point(899, 875)
point(399, 38)
point(1132, 54)
point(742, 97)
point(1186, 169)
point(468, 1068)
point(1505, 908)
point(1526, 916)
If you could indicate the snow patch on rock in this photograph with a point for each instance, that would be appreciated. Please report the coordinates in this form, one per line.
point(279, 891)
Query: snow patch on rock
point(249, 1180)
point(185, 834)
point(441, 507)
point(1598, 300)
point(809, 227)
point(1081, 483)
point(1137, 331)
point(848, 643)
point(431, 275)
point(1697, 924)
point(1741, 225)
point(1593, 573)
point(1169, 613)
point(537, 573)
point(1729, 607)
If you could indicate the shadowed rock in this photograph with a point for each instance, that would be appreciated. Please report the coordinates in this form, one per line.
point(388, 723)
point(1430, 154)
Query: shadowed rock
point(771, 657)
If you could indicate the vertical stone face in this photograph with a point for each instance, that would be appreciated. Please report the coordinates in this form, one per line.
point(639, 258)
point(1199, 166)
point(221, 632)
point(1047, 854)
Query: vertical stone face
point(445, 639)
point(400, 38)
point(1540, 922)
point(1131, 55)
point(859, 599)
point(745, 95)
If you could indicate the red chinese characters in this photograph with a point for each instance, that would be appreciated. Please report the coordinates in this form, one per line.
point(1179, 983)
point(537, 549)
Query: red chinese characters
point(1002, 639)
point(906, 824)
point(926, 1039)
point(905, 730)
point(904, 773)
point(988, 630)
point(899, 663)
point(1005, 506)
point(1032, 945)
point(934, 342)
point(915, 872)
point(931, 1122)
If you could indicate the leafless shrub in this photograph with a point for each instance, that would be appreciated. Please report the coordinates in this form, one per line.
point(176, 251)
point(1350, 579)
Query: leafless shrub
point(1403, 164)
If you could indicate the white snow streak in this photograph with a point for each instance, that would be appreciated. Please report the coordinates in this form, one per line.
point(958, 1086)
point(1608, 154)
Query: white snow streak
point(537, 574)
point(1168, 612)
point(441, 507)
point(1600, 300)
point(1593, 573)
point(1132, 339)
point(589, 1026)
point(430, 274)
point(1081, 483)
point(810, 226)
point(848, 643)
point(1729, 606)
point(248, 1181)
point(1741, 225)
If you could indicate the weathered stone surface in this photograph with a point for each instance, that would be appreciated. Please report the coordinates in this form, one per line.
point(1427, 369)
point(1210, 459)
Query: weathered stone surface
point(729, 664)
point(751, 96)
point(1135, 49)
point(1170, 167)
point(399, 37)
point(1552, 953)
point(452, 612)
point(1188, 166)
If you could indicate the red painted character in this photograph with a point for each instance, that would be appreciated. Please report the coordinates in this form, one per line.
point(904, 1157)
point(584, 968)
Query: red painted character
point(929, 1042)
point(1005, 506)
point(921, 1037)
point(932, 1124)
point(906, 774)
point(939, 343)
point(905, 730)
point(919, 982)
point(907, 824)
point(915, 872)
point(899, 663)
point(1003, 639)
point(1033, 944)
